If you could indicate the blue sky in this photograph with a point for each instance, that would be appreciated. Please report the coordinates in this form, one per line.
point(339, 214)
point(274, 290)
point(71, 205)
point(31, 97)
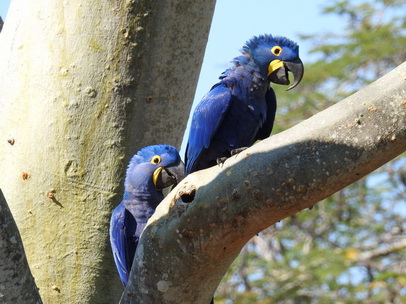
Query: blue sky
point(3, 8)
point(236, 21)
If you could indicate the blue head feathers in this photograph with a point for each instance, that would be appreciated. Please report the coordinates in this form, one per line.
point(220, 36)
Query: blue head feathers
point(264, 49)
point(269, 40)
point(149, 161)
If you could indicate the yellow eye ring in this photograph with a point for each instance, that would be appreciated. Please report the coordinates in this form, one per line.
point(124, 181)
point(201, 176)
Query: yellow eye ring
point(276, 50)
point(156, 160)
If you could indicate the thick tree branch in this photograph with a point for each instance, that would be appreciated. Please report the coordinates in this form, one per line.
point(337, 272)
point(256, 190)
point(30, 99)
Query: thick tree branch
point(187, 247)
point(16, 281)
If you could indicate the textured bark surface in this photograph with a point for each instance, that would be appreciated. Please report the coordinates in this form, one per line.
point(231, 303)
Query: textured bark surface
point(187, 247)
point(16, 281)
point(84, 85)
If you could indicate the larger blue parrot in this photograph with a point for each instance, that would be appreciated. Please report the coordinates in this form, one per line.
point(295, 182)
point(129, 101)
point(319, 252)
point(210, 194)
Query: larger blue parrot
point(152, 169)
point(240, 109)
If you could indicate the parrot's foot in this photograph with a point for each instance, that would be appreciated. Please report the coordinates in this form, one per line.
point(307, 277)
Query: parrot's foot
point(238, 150)
point(220, 161)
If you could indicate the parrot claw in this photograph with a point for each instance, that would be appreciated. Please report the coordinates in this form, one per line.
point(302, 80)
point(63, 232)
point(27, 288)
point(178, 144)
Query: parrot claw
point(220, 161)
point(238, 150)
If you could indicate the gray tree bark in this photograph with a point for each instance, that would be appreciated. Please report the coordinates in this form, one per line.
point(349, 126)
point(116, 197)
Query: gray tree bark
point(17, 284)
point(201, 226)
point(84, 85)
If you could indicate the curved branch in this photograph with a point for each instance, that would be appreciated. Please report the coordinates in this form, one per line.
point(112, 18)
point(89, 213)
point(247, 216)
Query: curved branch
point(367, 256)
point(187, 247)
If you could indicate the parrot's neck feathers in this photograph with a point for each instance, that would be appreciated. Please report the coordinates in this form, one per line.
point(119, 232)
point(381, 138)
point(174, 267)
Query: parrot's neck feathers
point(142, 194)
point(244, 67)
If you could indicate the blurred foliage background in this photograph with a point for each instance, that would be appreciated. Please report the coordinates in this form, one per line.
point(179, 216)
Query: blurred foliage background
point(351, 247)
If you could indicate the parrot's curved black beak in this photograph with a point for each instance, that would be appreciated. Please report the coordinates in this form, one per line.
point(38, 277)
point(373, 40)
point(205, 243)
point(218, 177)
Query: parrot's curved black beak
point(170, 176)
point(280, 76)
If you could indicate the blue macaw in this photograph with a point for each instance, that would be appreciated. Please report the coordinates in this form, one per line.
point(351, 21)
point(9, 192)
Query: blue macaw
point(150, 170)
point(240, 109)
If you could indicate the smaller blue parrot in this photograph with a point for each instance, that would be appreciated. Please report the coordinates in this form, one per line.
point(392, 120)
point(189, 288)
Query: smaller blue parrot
point(240, 108)
point(150, 170)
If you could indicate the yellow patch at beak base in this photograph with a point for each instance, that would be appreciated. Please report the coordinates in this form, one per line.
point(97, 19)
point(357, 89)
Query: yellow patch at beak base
point(155, 175)
point(274, 65)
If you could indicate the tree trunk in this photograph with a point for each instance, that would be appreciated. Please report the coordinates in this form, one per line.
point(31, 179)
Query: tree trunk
point(201, 226)
point(84, 85)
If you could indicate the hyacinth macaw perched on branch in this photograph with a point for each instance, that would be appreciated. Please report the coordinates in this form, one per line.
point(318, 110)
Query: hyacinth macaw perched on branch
point(152, 169)
point(240, 109)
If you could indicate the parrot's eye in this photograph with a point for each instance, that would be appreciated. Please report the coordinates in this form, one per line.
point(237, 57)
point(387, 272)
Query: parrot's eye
point(276, 50)
point(156, 160)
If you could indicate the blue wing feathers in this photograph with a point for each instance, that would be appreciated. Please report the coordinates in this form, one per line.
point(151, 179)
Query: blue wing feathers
point(224, 121)
point(206, 119)
point(120, 231)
